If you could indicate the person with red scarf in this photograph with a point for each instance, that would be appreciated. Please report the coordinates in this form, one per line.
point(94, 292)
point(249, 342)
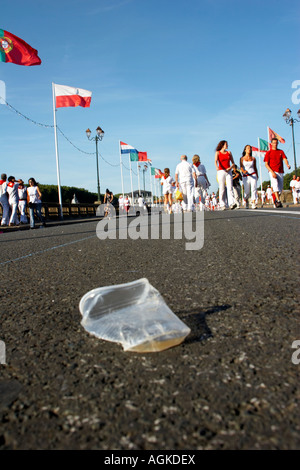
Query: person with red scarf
point(13, 199)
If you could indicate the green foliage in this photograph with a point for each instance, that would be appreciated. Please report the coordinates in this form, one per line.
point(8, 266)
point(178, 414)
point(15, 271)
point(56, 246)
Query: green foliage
point(50, 194)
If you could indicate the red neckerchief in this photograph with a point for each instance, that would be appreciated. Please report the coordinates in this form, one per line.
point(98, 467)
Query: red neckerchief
point(197, 164)
point(11, 184)
point(2, 181)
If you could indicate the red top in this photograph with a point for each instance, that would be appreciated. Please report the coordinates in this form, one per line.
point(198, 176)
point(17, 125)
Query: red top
point(274, 158)
point(223, 160)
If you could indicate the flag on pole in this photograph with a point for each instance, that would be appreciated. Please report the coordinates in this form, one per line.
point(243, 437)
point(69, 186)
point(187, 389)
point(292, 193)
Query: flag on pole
point(142, 156)
point(66, 96)
point(17, 51)
point(149, 162)
point(273, 135)
point(263, 144)
point(125, 148)
point(156, 172)
point(134, 157)
point(257, 152)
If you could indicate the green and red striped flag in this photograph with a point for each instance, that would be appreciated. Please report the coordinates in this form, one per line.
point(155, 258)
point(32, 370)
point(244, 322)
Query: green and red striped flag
point(134, 157)
point(17, 51)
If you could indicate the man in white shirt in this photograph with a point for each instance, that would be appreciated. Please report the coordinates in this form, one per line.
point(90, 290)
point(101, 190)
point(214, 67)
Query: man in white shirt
point(269, 195)
point(297, 186)
point(184, 177)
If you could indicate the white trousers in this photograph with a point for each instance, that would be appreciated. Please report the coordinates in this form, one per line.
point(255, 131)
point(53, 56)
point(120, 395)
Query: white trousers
point(277, 183)
point(14, 216)
point(187, 192)
point(250, 187)
point(225, 181)
point(22, 207)
point(5, 212)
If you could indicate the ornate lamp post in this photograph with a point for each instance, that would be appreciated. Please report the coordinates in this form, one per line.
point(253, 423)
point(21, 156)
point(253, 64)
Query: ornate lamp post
point(99, 136)
point(290, 120)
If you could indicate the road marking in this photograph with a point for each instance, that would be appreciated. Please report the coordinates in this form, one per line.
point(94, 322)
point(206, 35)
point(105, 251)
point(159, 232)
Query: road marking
point(270, 212)
point(47, 249)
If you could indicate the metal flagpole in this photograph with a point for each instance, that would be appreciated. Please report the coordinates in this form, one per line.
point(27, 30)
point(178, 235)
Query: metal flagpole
point(151, 187)
point(132, 202)
point(138, 171)
point(260, 164)
point(56, 151)
point(121, 166)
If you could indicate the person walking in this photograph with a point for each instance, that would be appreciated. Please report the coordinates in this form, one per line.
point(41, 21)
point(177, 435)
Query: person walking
point(274, 159)
point(224, 163)
point(22, 193)
point(34, 199)
point(236, 178)
point(184, 177)
point(4, 200)
point(167, 183)
point(201, 180)
point(13, 200)
point(250, 176)
point(293, 186)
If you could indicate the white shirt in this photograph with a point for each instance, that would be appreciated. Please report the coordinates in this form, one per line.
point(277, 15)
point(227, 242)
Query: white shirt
point(141, 201)
point(184, 170)
point(3, 187)
point(33, 194)
point(12, 191)
point(167, 184)
point(199, 170)
point(293, 185)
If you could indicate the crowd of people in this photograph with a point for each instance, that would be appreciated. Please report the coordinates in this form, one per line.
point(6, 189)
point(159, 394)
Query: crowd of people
point(14, 198)
point(187, 192)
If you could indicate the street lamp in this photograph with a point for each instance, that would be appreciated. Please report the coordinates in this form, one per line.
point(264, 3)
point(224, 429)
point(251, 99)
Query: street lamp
point(99, 136)
point(290, 120)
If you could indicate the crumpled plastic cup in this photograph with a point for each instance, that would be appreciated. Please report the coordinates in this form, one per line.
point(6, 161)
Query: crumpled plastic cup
point(134, 315)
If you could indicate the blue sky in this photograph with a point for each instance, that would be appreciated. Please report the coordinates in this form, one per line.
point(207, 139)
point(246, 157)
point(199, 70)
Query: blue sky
point(167, 77)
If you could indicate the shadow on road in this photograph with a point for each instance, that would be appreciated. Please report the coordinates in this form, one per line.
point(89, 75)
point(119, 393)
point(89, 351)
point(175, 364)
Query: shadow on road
point(197, 323)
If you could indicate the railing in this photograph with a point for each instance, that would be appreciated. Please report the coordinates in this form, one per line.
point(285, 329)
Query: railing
point(51, 210)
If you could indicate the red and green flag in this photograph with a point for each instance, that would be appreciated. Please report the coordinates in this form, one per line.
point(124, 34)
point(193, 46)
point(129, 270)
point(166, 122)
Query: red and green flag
point(17, 51)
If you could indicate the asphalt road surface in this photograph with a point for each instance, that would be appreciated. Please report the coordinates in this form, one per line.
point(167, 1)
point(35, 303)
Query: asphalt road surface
point(232, 384)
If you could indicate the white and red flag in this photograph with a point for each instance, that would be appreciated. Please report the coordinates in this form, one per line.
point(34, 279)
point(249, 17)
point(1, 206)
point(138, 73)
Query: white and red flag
point(66, 96)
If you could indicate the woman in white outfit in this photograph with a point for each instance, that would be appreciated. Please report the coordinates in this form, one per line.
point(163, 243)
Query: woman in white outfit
point(168, 185)
point(34, 198)
point(250, 176)
point(201, 181)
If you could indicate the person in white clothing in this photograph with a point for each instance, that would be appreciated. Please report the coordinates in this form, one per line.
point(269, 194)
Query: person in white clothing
point(293, 186)
point(13, 199)
point(184, 177)
point(167, 183)
point(250, 175)
point(34, 199)
point(22, 193)
point(298, 188)
point(269, 195)
point(4, 200)
point(201, 180)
